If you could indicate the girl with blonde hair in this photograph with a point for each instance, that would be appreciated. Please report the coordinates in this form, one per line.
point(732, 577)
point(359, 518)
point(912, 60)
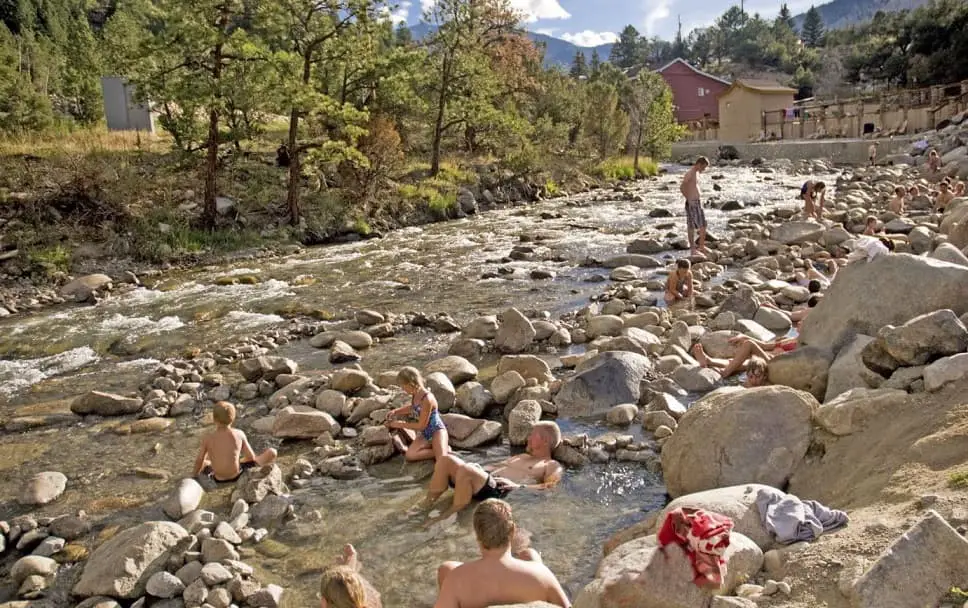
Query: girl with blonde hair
point(432, 440)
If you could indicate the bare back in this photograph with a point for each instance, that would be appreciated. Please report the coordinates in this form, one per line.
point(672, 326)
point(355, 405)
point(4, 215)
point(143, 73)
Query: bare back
point(224, 446)
point(523, 469)
point(497, 582)
point(690, 185)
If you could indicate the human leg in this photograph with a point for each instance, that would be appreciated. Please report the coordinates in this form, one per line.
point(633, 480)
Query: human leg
point(445, 473)
point(440, 444)
point(705, 360)
point(444, 570)
point(420, 449)
point(702, 238)
point(267, 457)
point(744, 350)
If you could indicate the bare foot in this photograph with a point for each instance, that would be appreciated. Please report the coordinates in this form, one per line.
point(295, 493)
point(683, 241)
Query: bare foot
point(398, 443)
point(350, 557)
point(700, 354)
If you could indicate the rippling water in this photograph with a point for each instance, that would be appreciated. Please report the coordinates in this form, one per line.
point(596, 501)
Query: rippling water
point(58, 353)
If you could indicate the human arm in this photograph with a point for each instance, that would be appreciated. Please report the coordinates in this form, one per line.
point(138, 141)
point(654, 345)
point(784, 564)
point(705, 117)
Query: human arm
point(247, 453)
point(687, 287)
point(760, 343)
point(425, 412)
point(200, 461)
point(552, 477)
point(447, 598)
point(556, 595)
point(405, 410)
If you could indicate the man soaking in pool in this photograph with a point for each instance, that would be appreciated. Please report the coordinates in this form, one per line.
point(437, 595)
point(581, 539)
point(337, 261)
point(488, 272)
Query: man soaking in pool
point(536, 470)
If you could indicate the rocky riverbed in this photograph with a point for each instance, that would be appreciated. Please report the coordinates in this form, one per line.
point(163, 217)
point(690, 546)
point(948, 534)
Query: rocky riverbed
point(544, 311)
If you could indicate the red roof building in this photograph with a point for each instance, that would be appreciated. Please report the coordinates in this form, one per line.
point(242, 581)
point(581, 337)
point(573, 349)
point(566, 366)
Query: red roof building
point(695, 93)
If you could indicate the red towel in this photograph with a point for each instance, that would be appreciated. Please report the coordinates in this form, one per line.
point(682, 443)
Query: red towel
point(704, 536)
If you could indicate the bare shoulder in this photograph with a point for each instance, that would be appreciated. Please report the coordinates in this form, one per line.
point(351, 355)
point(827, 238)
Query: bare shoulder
point(240, 435)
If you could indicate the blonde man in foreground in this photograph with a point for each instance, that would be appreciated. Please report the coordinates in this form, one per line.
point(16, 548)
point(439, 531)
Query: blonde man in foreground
point(498, 578)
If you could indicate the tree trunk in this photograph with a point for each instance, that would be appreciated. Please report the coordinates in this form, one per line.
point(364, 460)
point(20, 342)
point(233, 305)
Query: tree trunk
point(439, 121)
point(295, 154)
point(211, 168)
point(638, 146)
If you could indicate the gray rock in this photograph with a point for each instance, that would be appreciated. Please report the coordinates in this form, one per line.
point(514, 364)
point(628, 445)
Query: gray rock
point(653, 420)
point(266, 368)
point(528, 366)
point(516, 332)
point(605, 380)
point(43, 488)
point(32, 565)
point(189, 573)
point(696, 379)
point(622, 415)
point(850, 411)
point(918, 569)
point(442, 389)
point(269, 596)
point(349, 381)
point(269, 511)
point(332, 402)
point(943, 371)
point(214, 573)
point(217, 550)
point(49, 546)
point(716, 429)
point(121, 567)
point(669, 404)
point(106, 404)
point(848, 370)
point(522, 419)
point(797, 233)
point(302, 422)
point(925, 338)
point(482, 328)
point(468, 433)
point(164, 585)
point(806, 368)
point(473, 399)
point(505, 385)
point(457, 369)
point(256, 484)
point(184, 499)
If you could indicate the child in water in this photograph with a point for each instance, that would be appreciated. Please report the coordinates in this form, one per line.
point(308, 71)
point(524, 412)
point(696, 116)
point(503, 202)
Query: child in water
point(221, 449)
point(432, 440)
point(812, 193)
point(897, 203)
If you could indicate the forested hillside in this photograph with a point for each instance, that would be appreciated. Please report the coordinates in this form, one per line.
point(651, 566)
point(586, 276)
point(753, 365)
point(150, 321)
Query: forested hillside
point(840, 14)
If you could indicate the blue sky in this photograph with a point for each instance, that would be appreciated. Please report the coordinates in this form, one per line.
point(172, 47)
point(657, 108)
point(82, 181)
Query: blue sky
point(593, 22)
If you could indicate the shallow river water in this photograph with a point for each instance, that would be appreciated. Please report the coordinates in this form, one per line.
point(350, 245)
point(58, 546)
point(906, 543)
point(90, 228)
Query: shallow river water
point(60, 352)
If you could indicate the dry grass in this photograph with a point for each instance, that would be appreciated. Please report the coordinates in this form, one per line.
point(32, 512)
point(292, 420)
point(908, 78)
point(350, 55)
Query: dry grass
point(83, 142)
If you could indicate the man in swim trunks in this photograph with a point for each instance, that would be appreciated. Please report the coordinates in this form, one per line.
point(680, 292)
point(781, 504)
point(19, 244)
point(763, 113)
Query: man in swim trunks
point(218, 458)
point(695, 217)
point(535, 470)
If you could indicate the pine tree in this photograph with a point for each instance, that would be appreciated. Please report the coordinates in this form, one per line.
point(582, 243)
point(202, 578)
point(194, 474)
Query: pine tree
point(403, 36)
point(595, 65)
point(785, 16)
point(579, 68)
point(628, 52)
point(812, 32)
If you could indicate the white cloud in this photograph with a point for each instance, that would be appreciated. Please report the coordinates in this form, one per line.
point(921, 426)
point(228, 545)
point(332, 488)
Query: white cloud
point(546, 31)
point(655, 11)
point(399, 14)
point(540, 9)
point(426, 5)
point(590, 38)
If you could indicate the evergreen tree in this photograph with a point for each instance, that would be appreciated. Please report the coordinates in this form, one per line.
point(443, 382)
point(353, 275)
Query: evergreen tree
point(813, 28)
point(403, 36)
point(578, 67)
point(785, 16)
point(629, 51)
point(595, 65)
point(606, 125)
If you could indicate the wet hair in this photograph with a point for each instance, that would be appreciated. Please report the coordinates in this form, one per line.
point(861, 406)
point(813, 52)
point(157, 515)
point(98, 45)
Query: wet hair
point(871, 219)
point(813, 301)
point(341, 587)
point(914, 190)
point(887, 243)
point(410, 376)
point(550, 431)
point(814, 286)
point(683, 264)
point(944, 185)
point(223, 413)
point(702, 160)
point(933, 152)
point(757, 368)
point(493, 524)
point(819, 186)
point(899, 191)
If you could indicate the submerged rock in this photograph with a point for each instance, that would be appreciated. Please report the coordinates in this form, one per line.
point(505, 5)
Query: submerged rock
point(106, 404)
point(43, 488)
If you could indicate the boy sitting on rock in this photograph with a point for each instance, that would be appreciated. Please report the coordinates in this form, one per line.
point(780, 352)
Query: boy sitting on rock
point(218, 458)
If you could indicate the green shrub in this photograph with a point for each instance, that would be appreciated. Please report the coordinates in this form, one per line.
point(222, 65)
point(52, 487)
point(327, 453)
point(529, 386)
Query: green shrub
point(53, 259)
point(623, 168)
point(551, 188)
point(362, 227)
point(959, 480)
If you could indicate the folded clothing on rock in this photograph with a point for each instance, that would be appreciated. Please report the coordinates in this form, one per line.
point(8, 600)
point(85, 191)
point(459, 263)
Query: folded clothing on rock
point(704, 536)
point(792, 520)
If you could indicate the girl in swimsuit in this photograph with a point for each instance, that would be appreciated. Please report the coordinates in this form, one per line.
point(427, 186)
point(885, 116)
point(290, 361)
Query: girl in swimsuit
point(432, 441)
point(813, 194)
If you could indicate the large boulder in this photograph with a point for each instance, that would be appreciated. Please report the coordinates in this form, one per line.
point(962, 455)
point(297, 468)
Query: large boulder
point(43, 488)
point(641, 574)
point(82, 288)
point(805, 369)
point(106, 404)
point(184, 498)
point(266, 368)
point(954, 224)
point(848, 370)
point(528, 366)
point(867, 296)
point(797, 233)
point(516, 333)
point(918, 569)
point(944, 371)
point(522, 419)
point(850, 411)
point(302, 422)
point(739, 436)
point(925, 338)
point(742, 303)
point(466, 433)
point(457, 369)
point(605, 380)
point(473, 399)
point(482, 328)
point(121, 567)
point(443, 391)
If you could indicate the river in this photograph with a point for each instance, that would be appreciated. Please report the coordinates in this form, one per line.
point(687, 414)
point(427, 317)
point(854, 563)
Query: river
point(59, 352)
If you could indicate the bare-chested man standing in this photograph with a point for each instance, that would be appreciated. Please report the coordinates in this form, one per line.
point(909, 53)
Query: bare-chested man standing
point(499, 577)
point(695, 217)
point(536, 470)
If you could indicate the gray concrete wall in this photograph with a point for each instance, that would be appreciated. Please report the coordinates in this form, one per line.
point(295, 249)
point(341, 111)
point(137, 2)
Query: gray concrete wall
point(121, 110)
point(846, 151)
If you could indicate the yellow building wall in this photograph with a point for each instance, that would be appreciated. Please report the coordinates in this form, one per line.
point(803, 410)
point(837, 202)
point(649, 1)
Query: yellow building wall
point(741, 113)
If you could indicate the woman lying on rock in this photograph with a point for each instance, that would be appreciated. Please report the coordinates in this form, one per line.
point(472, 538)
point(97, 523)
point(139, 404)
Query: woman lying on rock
point(750, 356)
point(432, 441)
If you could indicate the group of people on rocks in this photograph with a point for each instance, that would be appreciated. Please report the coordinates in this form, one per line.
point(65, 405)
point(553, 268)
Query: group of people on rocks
point(509, 570)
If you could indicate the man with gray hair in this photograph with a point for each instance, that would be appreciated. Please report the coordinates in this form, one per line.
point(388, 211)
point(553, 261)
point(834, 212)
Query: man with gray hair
point(536, 469)
point(500, 577)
